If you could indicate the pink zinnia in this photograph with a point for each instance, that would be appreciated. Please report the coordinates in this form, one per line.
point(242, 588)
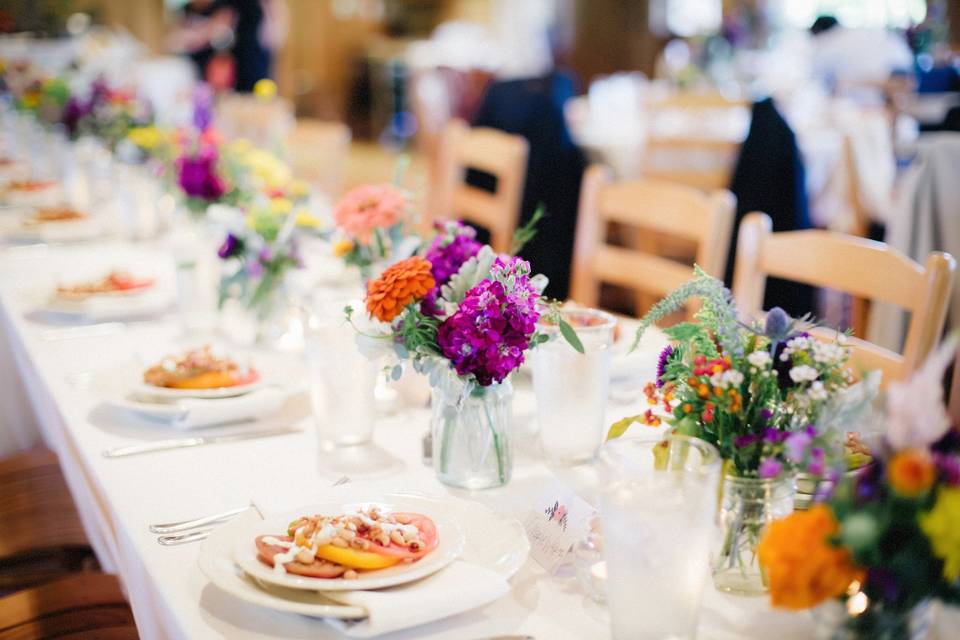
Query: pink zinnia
point(367, 208)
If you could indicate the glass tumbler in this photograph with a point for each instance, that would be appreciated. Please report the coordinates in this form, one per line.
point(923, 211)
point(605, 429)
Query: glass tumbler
point(658, 507)
point(342, 379)
point(571, 387)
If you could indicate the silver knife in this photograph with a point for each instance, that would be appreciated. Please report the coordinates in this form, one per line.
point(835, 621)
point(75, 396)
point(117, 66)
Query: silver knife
point(183, 443)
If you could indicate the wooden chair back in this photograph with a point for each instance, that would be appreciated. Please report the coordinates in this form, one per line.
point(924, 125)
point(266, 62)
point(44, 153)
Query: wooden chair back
point(318, 154)
point(266, 123)
point(699, 158)
point(673, 210)
point(857, 266)
point(503, 156)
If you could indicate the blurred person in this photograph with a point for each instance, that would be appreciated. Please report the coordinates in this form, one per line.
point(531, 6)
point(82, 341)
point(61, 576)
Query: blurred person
point(231, 42)
point(856, 63)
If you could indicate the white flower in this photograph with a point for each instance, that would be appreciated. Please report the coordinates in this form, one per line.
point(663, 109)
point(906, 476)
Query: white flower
point(759, 359)
point(915, 412)
point(803, 373)
point(732, 377)
point(817, 391)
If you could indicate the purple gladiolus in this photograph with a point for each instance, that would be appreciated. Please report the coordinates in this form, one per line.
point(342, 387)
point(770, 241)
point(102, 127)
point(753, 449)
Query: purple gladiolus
point(662, 363)
point(770, 468)
point(796, 445)
point(202, 107)
point(198, 175)
point(230, 247)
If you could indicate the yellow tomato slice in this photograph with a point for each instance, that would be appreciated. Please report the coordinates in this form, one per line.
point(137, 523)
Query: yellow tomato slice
point(354, 558)
point(208, 380)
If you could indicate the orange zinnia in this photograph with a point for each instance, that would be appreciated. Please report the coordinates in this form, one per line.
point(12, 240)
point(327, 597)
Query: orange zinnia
point(803, 568)
point(398, 286)
point(911, 473)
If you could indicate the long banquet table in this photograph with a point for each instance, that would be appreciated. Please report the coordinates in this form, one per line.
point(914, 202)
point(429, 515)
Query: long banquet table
point(50, 384)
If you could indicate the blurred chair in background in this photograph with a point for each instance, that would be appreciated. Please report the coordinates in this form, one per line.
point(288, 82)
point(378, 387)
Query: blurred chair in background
point(318, 152)
point(503, 158)
point(266, 123)
point(673, 210)
point(860, 267)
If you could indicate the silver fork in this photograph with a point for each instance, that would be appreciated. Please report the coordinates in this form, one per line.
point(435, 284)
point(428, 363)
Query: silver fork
point(198, 529)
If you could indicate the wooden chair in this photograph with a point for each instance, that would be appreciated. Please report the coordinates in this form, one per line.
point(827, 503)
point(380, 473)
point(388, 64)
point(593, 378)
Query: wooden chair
point(655, 206)
point(696, 158)
point(503, 156)
point(318, 153)
point(85, 605)
point(266, 123)
point(954, 403)
point(857, 266)
point(41, 537)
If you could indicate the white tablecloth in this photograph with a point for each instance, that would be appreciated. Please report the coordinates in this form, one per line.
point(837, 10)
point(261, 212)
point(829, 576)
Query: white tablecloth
point(118, 498)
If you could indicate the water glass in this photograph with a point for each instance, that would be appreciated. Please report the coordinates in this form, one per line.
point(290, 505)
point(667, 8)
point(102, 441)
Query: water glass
point(658, 507)
point(342, 380)
point(571, 387)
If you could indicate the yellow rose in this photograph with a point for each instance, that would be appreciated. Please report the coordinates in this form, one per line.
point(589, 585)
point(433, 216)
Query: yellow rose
point(265, 89)
point(342, 248)
point(942, 527)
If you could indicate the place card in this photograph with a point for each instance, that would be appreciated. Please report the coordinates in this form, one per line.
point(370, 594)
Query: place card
point(557, 520)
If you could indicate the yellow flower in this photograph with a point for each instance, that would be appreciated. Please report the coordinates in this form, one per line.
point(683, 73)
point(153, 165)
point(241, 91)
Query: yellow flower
point(942, 527)
point(146, 137)
point(342, 248)
point(280, 206)
point(306, 219)
point(298, 189)
point(911, 473)
point(265, 89)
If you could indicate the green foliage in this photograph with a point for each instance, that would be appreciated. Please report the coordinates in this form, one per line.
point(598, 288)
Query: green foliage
point(527, 232)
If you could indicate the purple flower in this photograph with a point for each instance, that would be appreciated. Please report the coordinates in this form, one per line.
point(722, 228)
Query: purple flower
point(266, 255)
point(766, 415)
point(197, 175)
point(449, 250)
point(202, 107)
point(796, 445)
point(949, 468)
point(777, 325)
point(770, 468)
point(232, 246)
point(662, 363)
point(488, 334)
point(816, 467)
point(254, 269)
point(74, 111)
point(774, 436)
point(746, 440)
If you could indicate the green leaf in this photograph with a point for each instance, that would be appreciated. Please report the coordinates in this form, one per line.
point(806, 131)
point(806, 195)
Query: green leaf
point(527, 232)
point(620, 427)
point(570, 336)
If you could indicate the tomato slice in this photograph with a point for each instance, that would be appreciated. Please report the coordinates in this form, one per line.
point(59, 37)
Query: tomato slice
point(316, 569)
point(428, 539)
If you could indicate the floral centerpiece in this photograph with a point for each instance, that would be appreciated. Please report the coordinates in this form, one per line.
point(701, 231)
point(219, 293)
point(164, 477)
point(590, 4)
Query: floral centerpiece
point(261, 247)
point(887, 541)
point(465, 317)
point(106, 113)
point(764, 393)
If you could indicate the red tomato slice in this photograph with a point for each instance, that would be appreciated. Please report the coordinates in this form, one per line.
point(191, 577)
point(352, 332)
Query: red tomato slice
point(428, 539)
point(317, 569)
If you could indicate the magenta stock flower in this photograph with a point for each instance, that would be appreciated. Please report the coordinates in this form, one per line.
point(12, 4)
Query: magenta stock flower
point(487, 336)
point(770, 468)
point(197, 175)
point(455, 245)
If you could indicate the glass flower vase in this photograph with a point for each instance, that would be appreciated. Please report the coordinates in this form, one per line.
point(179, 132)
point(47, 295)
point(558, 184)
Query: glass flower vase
point(834, 621)
point(747, 506)
point(471, 434)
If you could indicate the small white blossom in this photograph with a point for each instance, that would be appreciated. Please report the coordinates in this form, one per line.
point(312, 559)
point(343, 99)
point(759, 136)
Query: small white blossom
point(817, 391)
point(803, 373)
point(759, 359)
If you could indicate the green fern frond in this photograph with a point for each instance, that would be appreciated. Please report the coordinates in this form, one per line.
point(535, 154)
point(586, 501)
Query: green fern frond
point(718, 313)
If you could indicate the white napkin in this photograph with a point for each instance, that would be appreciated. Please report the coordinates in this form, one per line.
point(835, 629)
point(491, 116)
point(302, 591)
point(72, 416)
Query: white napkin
point(193, 413)
point(459, 587)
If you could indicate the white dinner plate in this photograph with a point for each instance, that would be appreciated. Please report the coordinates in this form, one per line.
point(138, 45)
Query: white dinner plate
point(16, 230)
point(101, 307)
point(448, 549)
point(492, 540)
point(143, 390)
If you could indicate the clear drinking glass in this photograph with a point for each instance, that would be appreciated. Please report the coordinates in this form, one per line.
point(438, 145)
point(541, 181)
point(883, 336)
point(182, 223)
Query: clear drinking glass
point(657, 506)
point(342, 379)
point(572, 387)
